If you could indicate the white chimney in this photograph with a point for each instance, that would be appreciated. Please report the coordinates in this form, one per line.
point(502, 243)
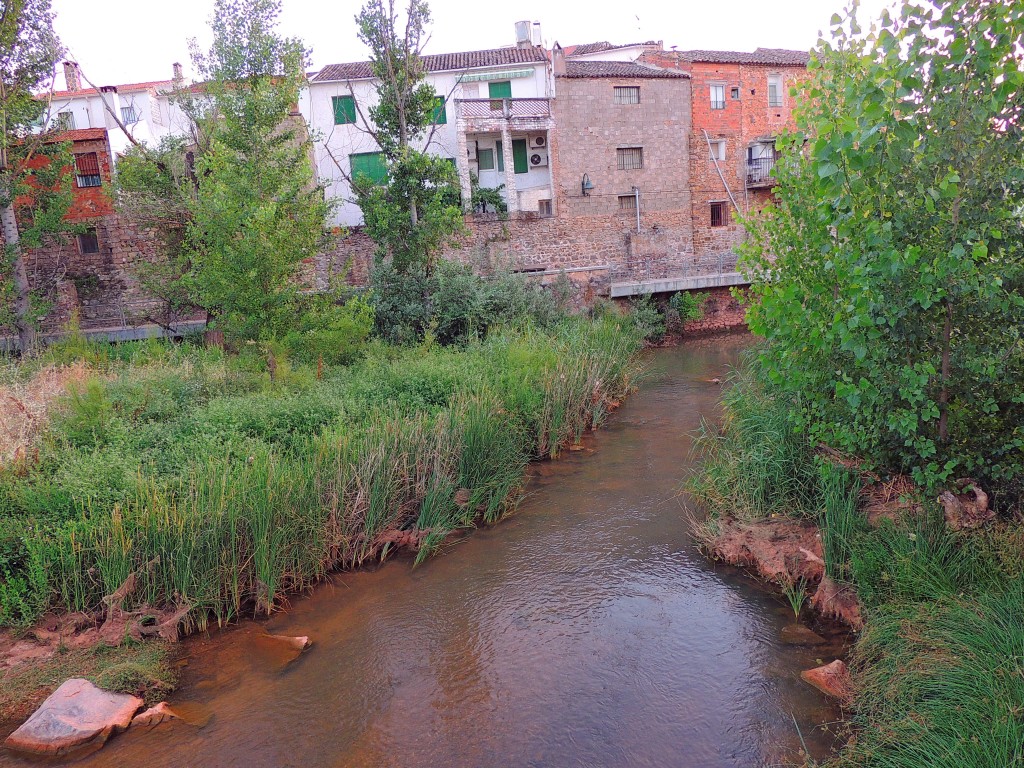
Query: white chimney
point(179, 74)
point(536, 33)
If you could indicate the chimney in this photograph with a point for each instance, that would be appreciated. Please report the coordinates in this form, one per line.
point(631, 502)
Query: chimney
point(179, 73)
point(523, 34)
point(557, 59)
point(537, 40)
point(72, 76)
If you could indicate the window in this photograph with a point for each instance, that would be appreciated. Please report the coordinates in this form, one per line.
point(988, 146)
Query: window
point(626, 94)
point(520, 164)
point(718, 150)
point(630, 158)
point(368, 166)
point(485, 159)
point(65, 121)
point(129, 115)
point(88, 242)
point(440, 116)
point(87, 170)
point(499, 89)
point(734, 92)
point(499, 150)
point(774, 90)
point(627, 202)
point(544, 207)
point(344, 110)
point(719, 214)
point(718, 97)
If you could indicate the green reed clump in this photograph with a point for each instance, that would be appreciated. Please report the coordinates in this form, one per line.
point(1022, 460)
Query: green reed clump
point(839, 518)
point(219, 488)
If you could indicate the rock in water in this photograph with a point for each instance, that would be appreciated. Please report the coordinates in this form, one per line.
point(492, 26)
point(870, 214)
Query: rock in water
point(832, 680)
point(75, 716)
point(154, 715)
point(798, 634)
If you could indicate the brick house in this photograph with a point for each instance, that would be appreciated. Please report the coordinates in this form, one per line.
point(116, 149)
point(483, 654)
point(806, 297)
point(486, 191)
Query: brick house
point(740, 103)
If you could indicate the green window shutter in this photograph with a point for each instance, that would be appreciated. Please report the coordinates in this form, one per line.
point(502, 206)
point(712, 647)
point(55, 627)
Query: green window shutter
point(500, 89)
point(500, 150)
point(519, 162)
point(344, 110)
point(485, 159)
point(440, 116)
point(370, 165)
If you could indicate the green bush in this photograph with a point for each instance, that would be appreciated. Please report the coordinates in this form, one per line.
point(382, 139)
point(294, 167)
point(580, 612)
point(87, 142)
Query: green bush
point(686, 307)
point(333, 333)
point(648, 318)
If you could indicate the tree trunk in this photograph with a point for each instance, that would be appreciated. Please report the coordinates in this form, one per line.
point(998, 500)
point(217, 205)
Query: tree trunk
point(22, 291)
point(947, 333)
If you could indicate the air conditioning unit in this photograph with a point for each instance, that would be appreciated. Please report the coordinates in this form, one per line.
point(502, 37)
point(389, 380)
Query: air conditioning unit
point(538, 140)
point(538, 159)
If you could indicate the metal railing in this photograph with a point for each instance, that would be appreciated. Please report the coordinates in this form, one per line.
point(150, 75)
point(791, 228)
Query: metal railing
point(759, 170)
point(504, 108)
point(675, 267)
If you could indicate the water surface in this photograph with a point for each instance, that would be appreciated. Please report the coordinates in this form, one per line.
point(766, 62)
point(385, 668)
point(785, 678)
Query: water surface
point(585, 630)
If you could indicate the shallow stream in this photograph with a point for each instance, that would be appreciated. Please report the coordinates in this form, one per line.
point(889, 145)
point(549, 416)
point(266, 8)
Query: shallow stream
point(585, 630)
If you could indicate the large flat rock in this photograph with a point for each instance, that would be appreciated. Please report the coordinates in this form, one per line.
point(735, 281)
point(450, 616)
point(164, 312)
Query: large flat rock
point(78, 715)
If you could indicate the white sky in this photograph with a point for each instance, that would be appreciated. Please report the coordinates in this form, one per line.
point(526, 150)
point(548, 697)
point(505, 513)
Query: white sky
point(124, 41)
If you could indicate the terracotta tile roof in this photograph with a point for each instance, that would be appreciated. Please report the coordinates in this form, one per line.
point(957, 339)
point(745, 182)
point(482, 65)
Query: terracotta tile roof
point(767, 56)
point(441, 62)
point(582, 69)
point(604, 45)
point(126, 88)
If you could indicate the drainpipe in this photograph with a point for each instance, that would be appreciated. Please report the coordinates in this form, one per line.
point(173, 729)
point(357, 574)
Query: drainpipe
point(636, 194)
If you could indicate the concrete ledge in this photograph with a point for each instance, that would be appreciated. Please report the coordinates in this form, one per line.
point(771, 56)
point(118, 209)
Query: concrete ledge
point(9, 344)
point(670, 284)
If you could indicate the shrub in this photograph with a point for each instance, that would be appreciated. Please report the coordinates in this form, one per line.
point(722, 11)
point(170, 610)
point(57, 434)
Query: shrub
point(648, 318)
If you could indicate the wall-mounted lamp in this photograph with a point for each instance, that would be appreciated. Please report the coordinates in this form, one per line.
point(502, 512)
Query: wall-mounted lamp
point(586, 185)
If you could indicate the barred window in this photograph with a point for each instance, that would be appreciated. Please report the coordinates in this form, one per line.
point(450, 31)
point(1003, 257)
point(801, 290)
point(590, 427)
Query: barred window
point(630, 158)
point(129, 115)
point(718, 97)
point(719, 214)
point(626, 94)
point(65, 121)
point(88, 242)
point(627, 202)
point(87, 170)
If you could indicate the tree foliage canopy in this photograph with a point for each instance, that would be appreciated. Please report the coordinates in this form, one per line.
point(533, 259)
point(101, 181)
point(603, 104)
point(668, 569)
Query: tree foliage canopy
point(889, 276)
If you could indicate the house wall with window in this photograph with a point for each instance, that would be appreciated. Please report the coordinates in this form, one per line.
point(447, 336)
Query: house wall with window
point(740, 103)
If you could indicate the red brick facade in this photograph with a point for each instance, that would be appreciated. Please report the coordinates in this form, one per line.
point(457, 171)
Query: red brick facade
point(746, 120)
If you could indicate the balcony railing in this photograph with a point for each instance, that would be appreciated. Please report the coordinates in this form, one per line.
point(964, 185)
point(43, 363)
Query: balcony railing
point(504, 108)
point(759, 170)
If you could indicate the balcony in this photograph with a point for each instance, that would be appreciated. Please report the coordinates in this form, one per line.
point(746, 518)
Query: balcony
point(483, 115)
point(759, 170)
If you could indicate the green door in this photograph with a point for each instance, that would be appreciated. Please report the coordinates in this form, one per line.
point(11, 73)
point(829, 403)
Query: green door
point(519, 162)
point(500, 89)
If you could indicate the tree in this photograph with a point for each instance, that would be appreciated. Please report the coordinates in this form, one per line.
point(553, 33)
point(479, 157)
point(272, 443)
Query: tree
point(237, 204)
point(415, 211)
point(889, 277)
point(33, 172)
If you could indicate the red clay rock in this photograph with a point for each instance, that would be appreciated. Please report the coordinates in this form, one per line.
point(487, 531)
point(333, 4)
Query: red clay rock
point(838, 601)
point(76, 716)
point(968, 510)
point(154, 716)
point(780, 549)
point(831, 679)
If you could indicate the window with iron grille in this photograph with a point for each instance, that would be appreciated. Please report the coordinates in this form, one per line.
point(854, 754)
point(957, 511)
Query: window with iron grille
point(630, 158)
point(627, 202)
point(87, 170)
point(65, 121)
point(626, 94)
point(88, 242)
point(718, 97)
point(719, 214)
point(774, 90)
point(129, 115)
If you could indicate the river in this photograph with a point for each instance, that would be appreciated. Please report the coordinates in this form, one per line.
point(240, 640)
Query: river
point(584, 630)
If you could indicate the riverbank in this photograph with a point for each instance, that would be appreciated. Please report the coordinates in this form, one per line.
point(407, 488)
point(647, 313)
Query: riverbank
point(937, 672)
point(178, 486)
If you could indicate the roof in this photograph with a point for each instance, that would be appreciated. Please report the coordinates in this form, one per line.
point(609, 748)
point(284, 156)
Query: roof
point(766, 56)
point(441, 62)
point(589, 48)
point(583, 69)
point(126, 88)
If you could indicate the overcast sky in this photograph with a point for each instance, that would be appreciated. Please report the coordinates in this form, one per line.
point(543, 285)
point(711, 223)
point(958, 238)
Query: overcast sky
point(124, 41)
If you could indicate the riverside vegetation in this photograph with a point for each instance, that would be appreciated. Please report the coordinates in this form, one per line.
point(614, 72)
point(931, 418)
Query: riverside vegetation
point(887, 284)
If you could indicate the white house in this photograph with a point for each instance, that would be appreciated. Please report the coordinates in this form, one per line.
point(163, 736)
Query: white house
point(493, 120)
